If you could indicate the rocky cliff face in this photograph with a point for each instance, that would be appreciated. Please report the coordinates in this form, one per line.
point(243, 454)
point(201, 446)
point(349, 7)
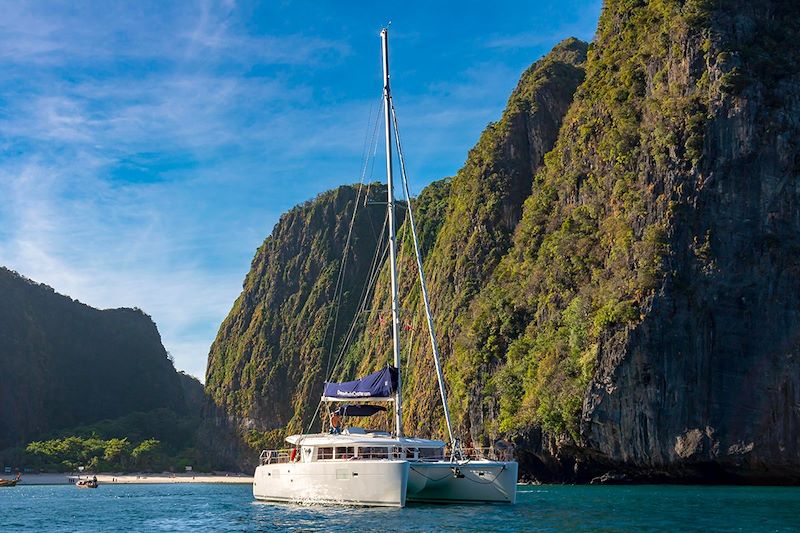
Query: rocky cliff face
point(465, 226)
point(708, 382)
point(66, 364)
point(650, 300)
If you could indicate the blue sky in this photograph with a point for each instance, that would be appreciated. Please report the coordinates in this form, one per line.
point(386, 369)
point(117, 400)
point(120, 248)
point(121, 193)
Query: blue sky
point(147, 149)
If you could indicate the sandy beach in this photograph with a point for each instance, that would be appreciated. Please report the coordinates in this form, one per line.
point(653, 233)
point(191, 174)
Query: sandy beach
point(121, 479)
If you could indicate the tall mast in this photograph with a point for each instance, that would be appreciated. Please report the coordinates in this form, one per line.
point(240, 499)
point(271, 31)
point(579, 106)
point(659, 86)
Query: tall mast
point(387, 111)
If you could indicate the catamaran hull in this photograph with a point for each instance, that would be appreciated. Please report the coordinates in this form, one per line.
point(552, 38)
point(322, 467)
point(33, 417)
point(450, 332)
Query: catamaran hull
point(366, 483)
point(475, 481)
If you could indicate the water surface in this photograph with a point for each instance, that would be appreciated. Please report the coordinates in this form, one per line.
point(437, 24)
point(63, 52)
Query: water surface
point(199, 507)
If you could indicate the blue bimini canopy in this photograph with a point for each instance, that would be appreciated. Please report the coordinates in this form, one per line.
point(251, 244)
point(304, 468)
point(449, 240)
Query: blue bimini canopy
point(380, 385)
point(359, 410)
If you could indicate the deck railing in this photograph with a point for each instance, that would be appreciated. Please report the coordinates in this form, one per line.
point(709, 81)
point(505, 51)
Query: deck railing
point(490, 453)
point(271, 457)
point(268, 457)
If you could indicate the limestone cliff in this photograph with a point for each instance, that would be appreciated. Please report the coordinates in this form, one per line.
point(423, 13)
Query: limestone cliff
point(478, 217)
point(646, 319)
point(267, 364)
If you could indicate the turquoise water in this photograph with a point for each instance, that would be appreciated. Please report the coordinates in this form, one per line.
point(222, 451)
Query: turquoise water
point(195, 507)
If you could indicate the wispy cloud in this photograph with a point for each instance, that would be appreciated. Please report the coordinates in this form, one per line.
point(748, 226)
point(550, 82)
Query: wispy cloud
point(69, 32)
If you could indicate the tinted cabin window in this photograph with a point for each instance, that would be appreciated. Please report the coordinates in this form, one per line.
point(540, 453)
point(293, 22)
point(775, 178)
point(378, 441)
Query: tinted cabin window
point(431, 453)
point(344, 452)
point(373, 452)
point(325, 453)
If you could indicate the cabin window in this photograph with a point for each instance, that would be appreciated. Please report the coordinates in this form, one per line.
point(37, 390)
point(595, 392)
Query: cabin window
point(431, 453)
point(344, 452)
point(373, 452)
point(324, 453)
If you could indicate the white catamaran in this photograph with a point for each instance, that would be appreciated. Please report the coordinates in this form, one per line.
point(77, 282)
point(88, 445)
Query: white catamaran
point(378, 468)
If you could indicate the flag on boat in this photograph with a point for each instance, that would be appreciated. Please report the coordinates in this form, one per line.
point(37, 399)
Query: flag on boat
point(380, 385)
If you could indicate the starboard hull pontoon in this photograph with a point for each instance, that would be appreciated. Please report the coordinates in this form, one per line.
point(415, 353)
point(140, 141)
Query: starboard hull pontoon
point(471, 482)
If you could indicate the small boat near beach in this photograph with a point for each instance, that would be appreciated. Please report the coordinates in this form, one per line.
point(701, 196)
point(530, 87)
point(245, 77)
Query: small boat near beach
point(87, 483)
point(11, 482)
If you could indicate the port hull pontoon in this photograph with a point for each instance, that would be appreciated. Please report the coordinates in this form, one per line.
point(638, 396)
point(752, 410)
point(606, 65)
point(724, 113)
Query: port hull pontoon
point(380, 483)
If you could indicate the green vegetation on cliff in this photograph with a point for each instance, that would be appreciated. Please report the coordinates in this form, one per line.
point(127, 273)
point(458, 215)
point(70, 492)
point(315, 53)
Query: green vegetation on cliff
point(619, 226)
point(268, 361)
point(588, 252)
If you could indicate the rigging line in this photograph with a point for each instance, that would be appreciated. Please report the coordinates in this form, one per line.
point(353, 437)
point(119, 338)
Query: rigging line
point(370, 161)
point(339, 286)
point(364, 301)
point(376, 262)
point(409, 351)
point(423, 288)
point(365, 148)
point(375, 143)
point(341, 355)
point(354, 322)
point(402, 250)
point(380, 252)
point(374, 274)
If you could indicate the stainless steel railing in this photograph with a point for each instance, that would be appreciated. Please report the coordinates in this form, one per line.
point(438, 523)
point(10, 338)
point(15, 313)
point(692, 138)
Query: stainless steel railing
point(269, 457)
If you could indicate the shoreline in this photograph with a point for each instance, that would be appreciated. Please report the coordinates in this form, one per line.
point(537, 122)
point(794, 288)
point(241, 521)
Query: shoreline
point(136, 479)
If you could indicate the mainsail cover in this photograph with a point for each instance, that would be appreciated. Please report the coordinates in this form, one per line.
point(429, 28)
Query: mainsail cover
point(380, 385)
